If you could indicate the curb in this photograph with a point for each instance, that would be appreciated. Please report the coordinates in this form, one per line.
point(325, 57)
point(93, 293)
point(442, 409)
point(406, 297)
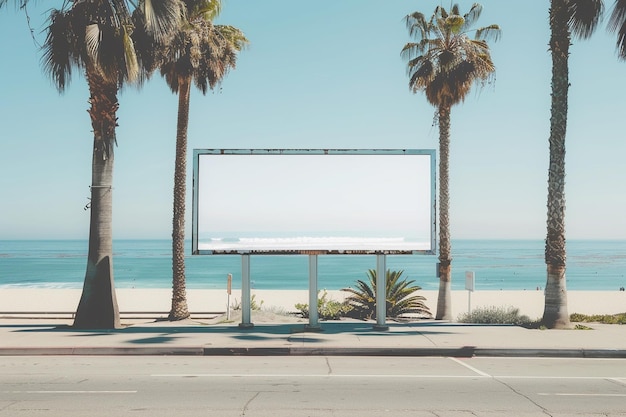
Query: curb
point(462, 352)
point(551, 353)
point(102, 351)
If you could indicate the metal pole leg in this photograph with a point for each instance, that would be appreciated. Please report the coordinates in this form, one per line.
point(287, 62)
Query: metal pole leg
point(381, 293)
point(245, 292)
point(313, 313)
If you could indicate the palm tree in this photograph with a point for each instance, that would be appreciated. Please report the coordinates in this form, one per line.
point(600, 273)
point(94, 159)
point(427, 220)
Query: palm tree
point(617, 23)
point(399, 295)
point(202, 53)
point(95, 36)
point(445, 62)
point(567, 18)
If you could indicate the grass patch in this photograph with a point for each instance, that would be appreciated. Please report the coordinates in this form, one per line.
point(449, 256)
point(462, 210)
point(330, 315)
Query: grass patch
point(254, 304)
point(280, 311)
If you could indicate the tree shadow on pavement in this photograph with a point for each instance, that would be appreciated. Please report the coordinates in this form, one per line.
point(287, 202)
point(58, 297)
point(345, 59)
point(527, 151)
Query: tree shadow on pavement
point(361, 328)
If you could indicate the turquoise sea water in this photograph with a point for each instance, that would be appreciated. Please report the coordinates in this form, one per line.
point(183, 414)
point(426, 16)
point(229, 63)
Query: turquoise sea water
point(497, 264)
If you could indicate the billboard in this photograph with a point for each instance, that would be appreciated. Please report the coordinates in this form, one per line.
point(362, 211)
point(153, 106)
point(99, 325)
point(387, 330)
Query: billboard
point(305, 201)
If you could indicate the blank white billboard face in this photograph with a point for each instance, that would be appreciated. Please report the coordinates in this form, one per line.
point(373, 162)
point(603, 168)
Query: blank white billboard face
point(262, 201)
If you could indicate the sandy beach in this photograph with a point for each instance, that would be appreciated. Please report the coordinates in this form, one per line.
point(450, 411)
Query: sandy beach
point(530, 303)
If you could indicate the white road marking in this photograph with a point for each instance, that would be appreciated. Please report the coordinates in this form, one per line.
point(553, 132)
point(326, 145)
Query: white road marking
point(305, 376)
point(568, 394)
point(470, 367)
point(69, 392)
point(480, 374)
point(619, 380)
point(610, 378)
point(535, 359)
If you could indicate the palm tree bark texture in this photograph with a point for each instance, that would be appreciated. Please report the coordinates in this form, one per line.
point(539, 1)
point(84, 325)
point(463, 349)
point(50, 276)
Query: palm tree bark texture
point(98, 304)
point(180, 310)
point(444, 304)
point(555, 311)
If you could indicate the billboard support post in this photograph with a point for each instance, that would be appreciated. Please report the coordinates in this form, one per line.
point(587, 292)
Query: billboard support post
point(246, 321)
point(313, 312)
point(381, 292)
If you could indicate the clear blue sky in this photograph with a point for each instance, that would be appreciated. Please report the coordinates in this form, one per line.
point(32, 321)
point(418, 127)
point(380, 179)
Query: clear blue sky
point(323, 75)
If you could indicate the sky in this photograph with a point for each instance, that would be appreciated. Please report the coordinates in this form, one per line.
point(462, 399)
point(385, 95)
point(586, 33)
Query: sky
point(323, 74)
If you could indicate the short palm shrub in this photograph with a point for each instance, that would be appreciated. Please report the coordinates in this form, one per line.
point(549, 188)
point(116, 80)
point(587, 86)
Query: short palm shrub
point(495, 315)
point(327, 309)
point(400, 295)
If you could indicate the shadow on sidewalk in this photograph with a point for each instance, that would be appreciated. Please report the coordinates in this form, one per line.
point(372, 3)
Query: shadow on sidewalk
point(360, 328)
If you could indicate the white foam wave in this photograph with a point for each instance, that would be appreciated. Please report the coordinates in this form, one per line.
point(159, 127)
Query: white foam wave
point(44, 285)
point(325, 239)
point(312, 243)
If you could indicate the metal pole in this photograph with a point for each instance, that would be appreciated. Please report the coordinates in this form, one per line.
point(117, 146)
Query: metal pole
point(245, 292)
point(381, 292)
point(313, 313)
point(469, 286)
point(229, 286)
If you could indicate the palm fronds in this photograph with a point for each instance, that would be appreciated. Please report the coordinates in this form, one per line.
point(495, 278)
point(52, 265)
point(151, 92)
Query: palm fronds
point(444, 61)
point(400, 297)
point(617, 23)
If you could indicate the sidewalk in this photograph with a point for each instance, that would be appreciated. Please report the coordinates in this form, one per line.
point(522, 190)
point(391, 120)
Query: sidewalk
point(49, 336)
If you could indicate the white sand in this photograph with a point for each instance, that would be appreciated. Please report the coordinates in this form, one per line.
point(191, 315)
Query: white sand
point(530, 303)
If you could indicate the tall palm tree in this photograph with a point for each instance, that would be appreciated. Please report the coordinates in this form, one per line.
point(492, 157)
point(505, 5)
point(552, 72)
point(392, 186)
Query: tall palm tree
point(95, 36)
point(201, 53)
point(445, 62)
point(617, 23)
point(567, 17)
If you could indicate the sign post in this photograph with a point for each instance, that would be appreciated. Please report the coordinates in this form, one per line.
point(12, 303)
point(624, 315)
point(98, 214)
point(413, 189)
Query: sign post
point(469, 286)
point(229, 286)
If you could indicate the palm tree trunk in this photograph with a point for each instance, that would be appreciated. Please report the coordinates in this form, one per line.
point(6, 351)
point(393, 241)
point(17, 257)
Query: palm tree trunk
point(444, 300)
point(555, 313)
point(179, 309)
point(98, 307)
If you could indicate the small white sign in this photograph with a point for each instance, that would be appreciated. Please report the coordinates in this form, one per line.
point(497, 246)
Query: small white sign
point(469, 280)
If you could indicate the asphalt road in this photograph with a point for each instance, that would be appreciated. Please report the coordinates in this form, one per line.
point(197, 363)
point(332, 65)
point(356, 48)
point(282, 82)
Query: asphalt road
point(310, 386)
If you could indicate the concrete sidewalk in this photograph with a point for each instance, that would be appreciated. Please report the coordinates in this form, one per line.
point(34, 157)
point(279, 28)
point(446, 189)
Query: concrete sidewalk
point(47, 336)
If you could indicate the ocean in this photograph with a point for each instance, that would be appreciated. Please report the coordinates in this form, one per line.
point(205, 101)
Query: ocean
point(497, 265)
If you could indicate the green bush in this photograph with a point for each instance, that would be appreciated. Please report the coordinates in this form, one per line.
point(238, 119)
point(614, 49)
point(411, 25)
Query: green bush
point(577, 317)
point(327, 309)
point(495, 315)
point(400, 295)
point(599, 318)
